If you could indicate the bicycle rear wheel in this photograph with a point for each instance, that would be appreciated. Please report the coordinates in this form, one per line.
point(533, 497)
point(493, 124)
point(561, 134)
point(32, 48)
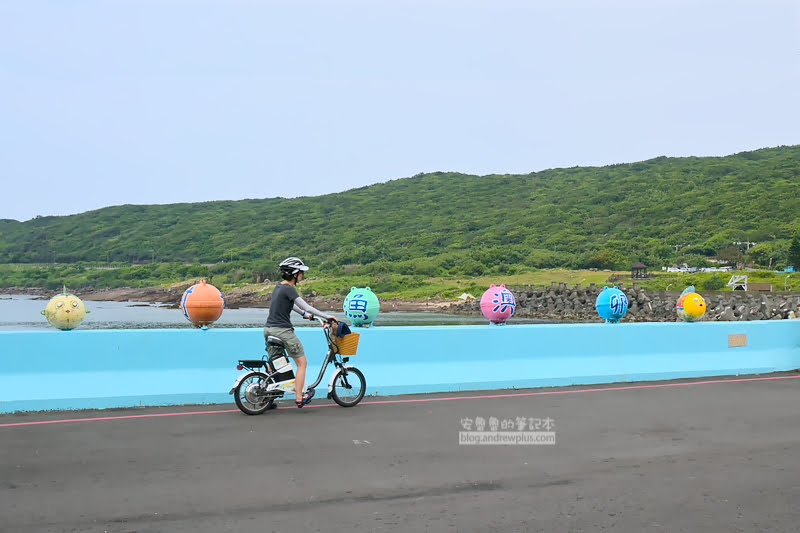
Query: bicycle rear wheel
point(250, 394)
point(349, 386)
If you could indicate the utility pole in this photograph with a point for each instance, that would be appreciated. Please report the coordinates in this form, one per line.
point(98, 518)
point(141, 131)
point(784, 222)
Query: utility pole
point(747, 244)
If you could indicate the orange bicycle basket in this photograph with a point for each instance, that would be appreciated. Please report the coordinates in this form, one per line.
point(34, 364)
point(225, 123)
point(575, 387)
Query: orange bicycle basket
point(347, 345)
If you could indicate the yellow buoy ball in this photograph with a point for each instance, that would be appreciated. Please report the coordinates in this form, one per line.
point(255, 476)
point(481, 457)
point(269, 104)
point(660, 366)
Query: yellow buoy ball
point(691, 306)
point(65, 311)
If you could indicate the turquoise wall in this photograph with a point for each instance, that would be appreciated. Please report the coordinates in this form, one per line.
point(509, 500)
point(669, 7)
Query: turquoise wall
point(42, 370)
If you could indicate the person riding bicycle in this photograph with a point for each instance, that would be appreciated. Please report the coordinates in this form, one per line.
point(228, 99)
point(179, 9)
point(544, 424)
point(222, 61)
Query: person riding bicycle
point(285, 299)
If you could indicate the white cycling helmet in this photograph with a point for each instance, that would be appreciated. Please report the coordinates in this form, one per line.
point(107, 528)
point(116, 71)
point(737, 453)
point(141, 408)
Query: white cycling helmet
point(292, 265)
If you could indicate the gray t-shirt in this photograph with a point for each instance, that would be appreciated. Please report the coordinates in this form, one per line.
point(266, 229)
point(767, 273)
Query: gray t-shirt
point(280, 308)
point(285, 299)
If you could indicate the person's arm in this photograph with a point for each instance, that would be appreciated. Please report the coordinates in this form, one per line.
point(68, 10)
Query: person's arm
point(303, 308)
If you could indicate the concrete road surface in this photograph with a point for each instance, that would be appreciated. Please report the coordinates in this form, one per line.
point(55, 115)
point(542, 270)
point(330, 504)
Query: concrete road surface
point(717, 455)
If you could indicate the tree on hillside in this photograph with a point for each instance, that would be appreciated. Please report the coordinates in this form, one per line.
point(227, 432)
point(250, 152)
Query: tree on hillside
point(731, 254)
point(794, 252)
point(762, 254)
point(609, 259)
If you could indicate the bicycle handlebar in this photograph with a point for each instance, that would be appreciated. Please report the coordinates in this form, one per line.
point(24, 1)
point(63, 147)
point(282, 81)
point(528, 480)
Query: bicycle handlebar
point(322, 321)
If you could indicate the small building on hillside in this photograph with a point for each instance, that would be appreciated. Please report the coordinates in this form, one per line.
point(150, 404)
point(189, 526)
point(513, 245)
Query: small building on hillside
point(639, 271)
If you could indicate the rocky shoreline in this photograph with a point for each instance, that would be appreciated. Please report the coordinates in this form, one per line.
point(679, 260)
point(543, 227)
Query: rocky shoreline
point(252, 295)
point(557, 301)
point(561, 302)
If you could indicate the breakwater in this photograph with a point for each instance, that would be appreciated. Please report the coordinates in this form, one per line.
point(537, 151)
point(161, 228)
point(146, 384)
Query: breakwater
point(43, 370)
point(560, 301)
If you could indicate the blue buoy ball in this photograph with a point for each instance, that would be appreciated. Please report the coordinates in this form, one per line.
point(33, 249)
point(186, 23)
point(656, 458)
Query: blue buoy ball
point(611, 304)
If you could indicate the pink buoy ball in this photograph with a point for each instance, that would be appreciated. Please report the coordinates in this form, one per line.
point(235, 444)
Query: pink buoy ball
point(498, 304)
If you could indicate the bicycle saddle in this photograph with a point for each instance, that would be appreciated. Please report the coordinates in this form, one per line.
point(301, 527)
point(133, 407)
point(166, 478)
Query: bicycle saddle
point(274, 340)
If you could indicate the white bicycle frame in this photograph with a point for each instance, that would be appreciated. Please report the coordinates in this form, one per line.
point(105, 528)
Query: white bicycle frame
point(330, 357)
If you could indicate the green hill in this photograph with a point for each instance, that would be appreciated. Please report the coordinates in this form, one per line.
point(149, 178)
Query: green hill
point(658, 211)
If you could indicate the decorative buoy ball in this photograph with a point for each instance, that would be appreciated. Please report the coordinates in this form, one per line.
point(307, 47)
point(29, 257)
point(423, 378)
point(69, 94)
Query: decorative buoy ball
point(691, 306)
point(361, 306)
point(498, 304)
point(65, 311)
point(202, 304)
point(611, 304)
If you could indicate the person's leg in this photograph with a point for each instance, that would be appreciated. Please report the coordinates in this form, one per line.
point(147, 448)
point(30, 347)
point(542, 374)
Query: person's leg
point(296, 352)
point(300, 376)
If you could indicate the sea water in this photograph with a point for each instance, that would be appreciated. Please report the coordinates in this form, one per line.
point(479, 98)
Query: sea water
point(25, 313)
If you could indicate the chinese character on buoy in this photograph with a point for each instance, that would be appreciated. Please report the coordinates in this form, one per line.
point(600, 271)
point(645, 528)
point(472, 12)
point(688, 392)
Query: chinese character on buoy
point(611, 304)
point(202, 304)
point(361, 306)
point(498, 304)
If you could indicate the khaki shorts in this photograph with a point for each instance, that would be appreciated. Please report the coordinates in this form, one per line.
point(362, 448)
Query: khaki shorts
point(290, 340)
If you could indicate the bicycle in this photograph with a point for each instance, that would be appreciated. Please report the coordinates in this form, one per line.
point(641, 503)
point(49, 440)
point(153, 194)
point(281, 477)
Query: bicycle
point(256, 390)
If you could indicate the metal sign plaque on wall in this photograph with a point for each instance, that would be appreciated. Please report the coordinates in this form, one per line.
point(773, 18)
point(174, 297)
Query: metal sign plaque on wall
point(737, 339)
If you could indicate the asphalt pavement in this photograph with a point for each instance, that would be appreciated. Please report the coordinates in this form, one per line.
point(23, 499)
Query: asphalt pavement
point(709, 455)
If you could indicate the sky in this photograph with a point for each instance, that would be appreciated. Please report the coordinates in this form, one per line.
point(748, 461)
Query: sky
point(165, 101)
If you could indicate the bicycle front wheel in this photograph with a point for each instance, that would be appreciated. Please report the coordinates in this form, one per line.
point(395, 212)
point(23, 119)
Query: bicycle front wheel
point(250, 395)
point(349, 386)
